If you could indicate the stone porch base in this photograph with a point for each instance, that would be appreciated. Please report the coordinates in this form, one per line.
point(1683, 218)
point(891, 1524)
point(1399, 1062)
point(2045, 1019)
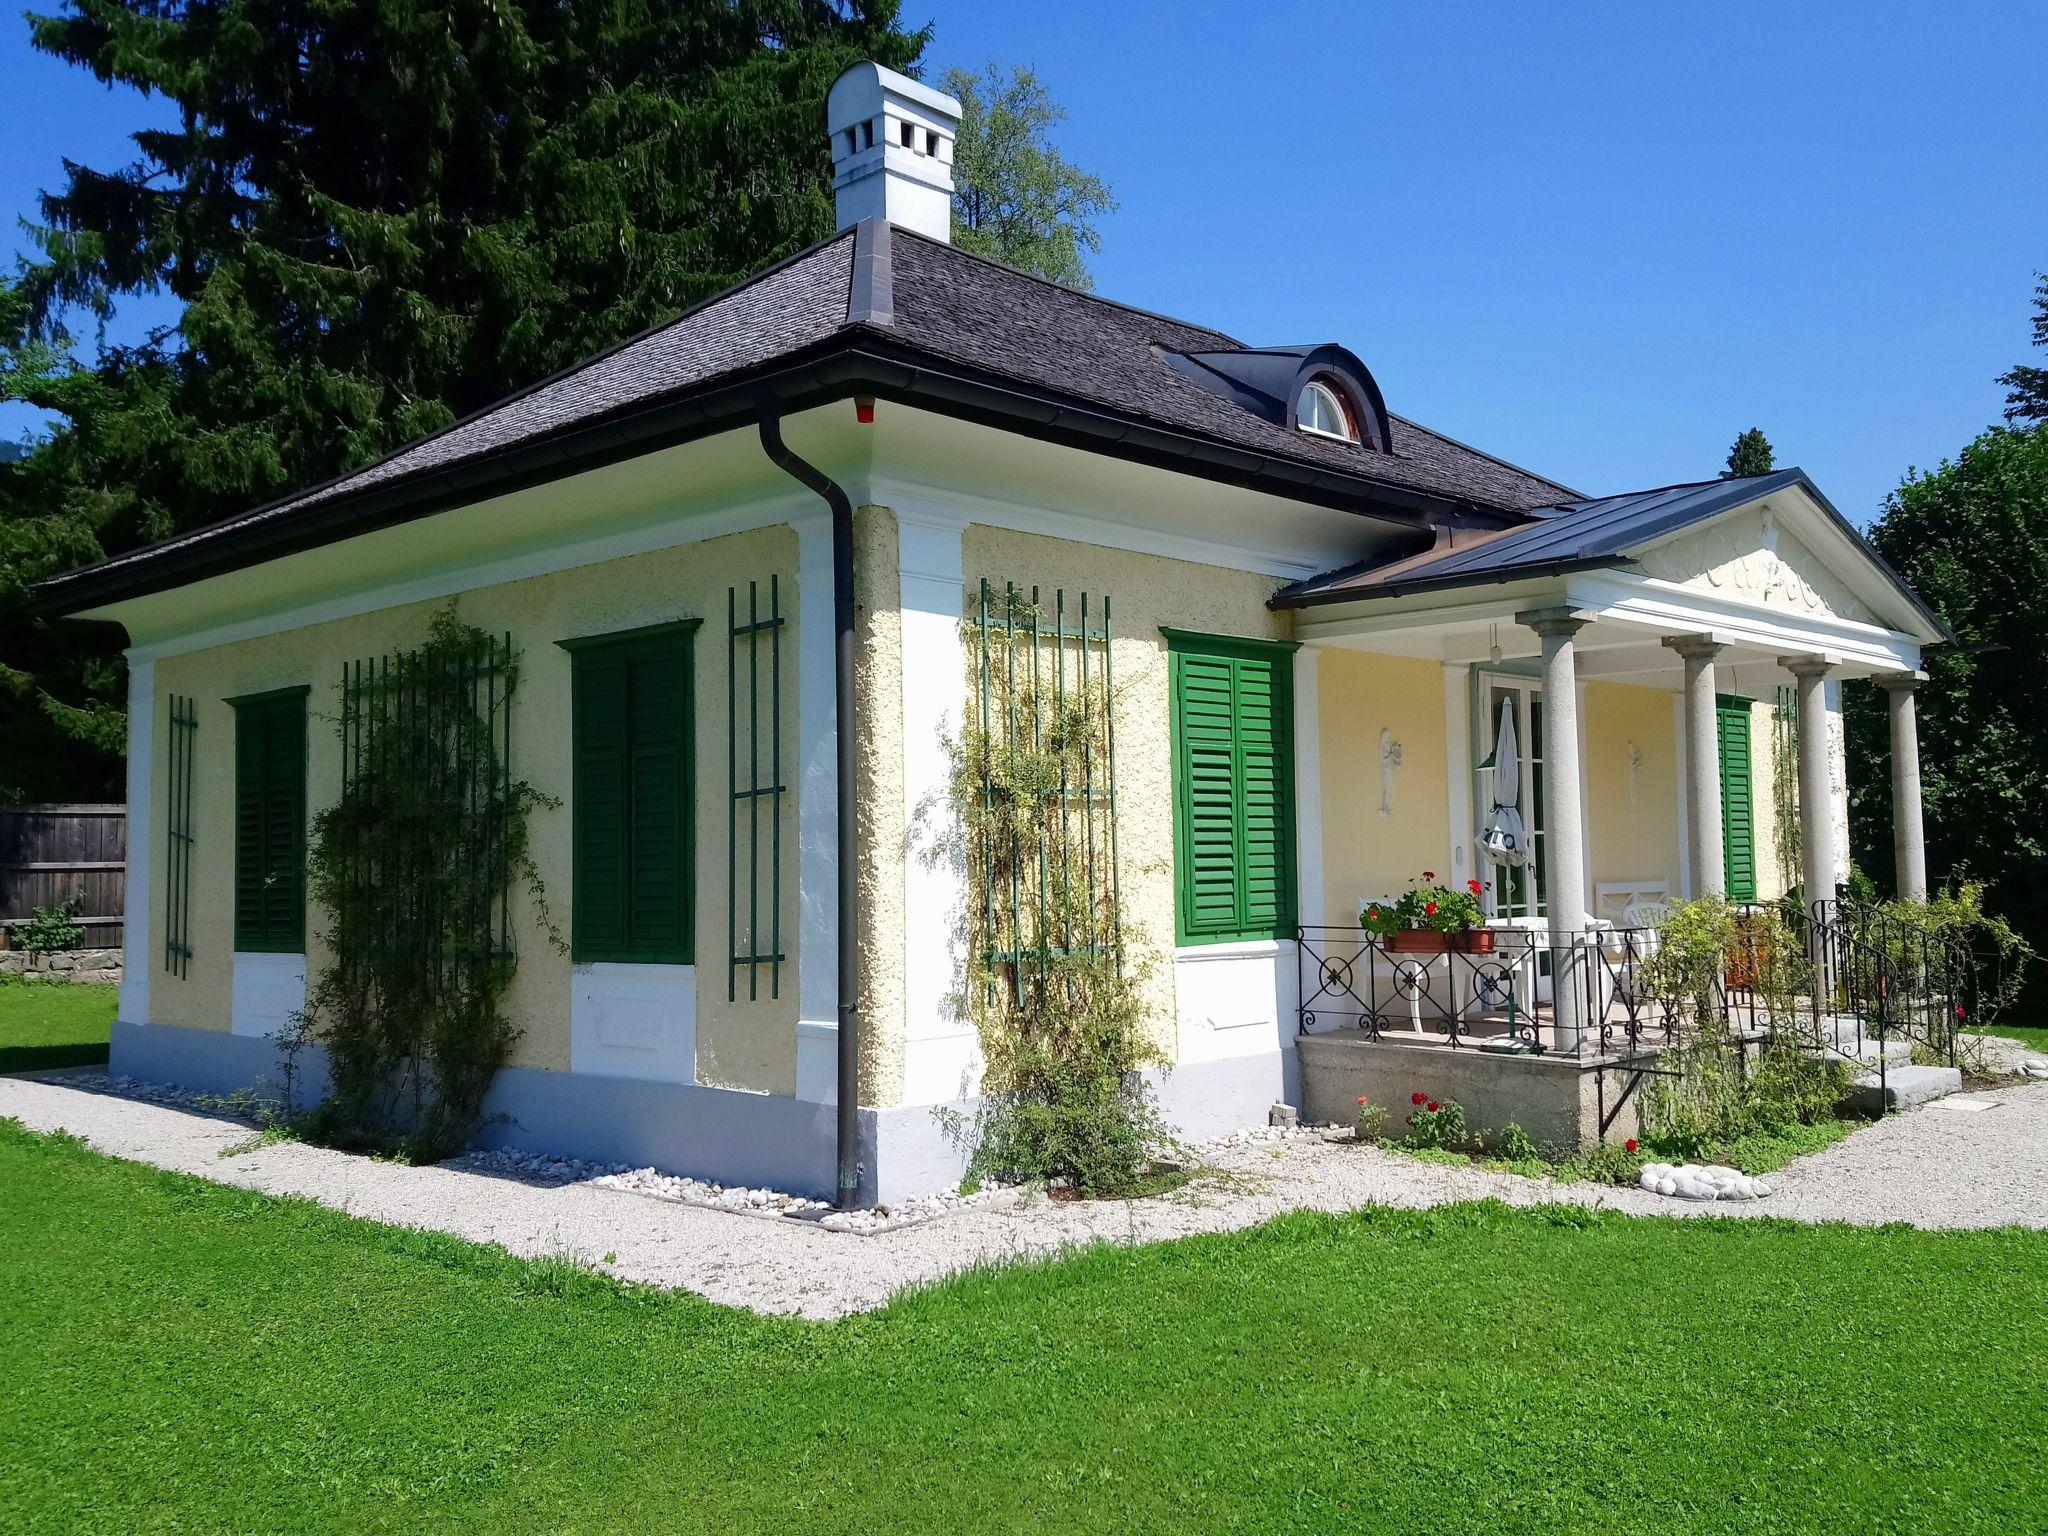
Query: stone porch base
point(1555, 1099)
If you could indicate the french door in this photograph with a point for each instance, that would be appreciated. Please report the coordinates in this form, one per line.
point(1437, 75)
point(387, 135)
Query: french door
point(1519, 890)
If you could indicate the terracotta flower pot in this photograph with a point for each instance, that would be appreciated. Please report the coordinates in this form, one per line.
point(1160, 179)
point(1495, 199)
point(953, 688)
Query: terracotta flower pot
point(1419, 941)
point(1474, 941)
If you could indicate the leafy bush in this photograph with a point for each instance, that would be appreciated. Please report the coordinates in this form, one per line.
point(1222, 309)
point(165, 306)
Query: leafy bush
point(1372, 1119)
point(1515, 1146)
point(1436, 1123)
point(1056, 972)
point(1609, 1163)
point(414, 865)
point(51, 928)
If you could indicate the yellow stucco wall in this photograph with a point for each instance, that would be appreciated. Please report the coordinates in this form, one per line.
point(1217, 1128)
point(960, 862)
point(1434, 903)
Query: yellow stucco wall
point(1367, 856)
point(1145, 591)
point(878, 687)
point(1630, 764)
point(744, 1044)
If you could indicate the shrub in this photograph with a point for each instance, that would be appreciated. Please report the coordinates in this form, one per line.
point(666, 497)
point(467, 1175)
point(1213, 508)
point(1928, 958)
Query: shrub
point(1515, 1146)
point(1609, 1163)
point(1436, 1123)
point(1372, 1119)
point(51, 928)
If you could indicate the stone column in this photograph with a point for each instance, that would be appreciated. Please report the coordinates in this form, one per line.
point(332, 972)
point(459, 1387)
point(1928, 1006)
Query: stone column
point(1564, 859)
point(1816, 800)
point(1703, 832)
point(1909, 846)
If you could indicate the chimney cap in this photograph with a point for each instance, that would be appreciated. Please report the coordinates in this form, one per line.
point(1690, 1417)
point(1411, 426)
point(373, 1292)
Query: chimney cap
point(861, 87)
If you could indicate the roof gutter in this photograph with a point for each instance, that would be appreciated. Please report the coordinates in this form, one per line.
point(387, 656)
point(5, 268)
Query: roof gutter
point(1329, 596)
point(846, 733)
point(848, 364)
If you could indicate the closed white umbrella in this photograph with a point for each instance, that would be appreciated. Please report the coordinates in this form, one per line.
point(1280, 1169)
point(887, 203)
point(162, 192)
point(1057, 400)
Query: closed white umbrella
point(1505, 839)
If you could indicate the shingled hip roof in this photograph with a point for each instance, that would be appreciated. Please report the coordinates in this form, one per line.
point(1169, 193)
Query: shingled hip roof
point(873, 309)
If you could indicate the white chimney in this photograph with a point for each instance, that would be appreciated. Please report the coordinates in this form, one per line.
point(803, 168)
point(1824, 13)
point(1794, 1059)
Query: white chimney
point(892, 150)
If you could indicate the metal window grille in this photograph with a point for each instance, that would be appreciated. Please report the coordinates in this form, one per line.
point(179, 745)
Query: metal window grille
point(184, 727)
point(441, 724)
point(1047, 878)
point(754, 647)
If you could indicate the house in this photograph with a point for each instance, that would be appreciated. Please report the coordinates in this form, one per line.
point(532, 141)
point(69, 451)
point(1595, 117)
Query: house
point(799, 512)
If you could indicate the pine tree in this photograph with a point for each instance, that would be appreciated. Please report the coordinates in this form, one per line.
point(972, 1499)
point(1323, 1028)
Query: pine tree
point(375, 217)
point(1017, 199)
point(2027, 388)
point(1752, 454)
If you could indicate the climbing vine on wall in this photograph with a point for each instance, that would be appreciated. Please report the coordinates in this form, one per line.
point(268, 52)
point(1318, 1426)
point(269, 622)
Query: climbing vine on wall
point(1055, 969)
point(416, 865)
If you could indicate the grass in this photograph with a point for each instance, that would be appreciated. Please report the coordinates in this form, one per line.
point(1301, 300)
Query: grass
point(53, 1024)
point(2035, 1035)
point(182, 1356)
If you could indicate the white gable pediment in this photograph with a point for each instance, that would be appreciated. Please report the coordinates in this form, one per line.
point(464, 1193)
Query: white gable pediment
point(1750, 557)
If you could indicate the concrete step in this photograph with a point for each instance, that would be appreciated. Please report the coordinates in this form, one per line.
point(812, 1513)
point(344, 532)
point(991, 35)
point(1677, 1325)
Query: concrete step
point(1896, 1051)
point(1906, 1087)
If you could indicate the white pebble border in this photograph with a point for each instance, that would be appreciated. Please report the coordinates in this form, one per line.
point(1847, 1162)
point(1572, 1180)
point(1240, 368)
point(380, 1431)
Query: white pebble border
point(740, 1199)
point(1697, 1181)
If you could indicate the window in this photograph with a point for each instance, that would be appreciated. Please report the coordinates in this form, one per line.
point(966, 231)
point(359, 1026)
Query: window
point(1233, 788)
point(1738, 799)
point(1321, 411)
point(270, 821)
point(632, 741)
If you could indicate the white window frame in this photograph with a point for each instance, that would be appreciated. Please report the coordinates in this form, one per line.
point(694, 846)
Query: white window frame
point(1336, 407)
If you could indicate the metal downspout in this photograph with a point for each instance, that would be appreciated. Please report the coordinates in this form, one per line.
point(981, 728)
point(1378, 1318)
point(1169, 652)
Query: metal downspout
point(815, 480)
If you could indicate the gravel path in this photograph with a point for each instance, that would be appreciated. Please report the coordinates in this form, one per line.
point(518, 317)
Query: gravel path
point(1938, 1167)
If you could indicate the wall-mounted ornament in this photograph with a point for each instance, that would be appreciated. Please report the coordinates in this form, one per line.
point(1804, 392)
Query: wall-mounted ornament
point(1635, 774)
point(1390, 759)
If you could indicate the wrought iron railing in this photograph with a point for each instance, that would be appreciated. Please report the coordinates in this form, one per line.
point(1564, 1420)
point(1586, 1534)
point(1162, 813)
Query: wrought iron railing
point(1840, 978)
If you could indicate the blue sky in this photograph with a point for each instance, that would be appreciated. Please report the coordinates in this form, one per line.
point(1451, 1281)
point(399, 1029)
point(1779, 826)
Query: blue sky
point(1599, 240)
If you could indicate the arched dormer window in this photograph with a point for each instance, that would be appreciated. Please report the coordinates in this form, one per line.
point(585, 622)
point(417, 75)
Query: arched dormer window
point(1321, 410)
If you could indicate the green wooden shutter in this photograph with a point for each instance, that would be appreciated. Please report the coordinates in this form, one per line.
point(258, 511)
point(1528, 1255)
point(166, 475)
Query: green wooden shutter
point(270, 822)
point(1738, 799)
point(1233, 790)
point(633, 862)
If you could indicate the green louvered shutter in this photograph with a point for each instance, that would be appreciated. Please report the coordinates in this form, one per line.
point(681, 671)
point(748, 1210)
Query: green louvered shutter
point(632, 735)
point(1233, 790)
point(270, 822)
point(1738, 800)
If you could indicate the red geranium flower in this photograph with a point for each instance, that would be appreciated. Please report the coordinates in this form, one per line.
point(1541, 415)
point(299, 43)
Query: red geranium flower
point(1430, 910)
point(1418, 1098)
point(1429, 874)
point(1361, 1098)
point(1432, 1106)
point(1959, 1011)
point(1472, 886)
point(1630, 1143)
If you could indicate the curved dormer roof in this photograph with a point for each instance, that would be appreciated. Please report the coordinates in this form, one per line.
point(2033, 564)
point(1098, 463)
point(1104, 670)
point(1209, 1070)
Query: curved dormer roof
point(1268, 381)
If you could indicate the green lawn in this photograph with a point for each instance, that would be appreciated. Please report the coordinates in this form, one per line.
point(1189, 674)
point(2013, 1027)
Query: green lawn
point(180, 1356)
point(53, 1024)
point(2035, 1035)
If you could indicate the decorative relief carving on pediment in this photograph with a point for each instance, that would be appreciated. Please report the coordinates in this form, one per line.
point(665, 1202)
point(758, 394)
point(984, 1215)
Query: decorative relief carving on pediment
point(1748, 557)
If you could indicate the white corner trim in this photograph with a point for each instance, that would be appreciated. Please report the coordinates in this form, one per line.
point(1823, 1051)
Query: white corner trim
point(133, 1005)
point(941, 1053)
point(265, 991)
point(1308, 787)
point(817, 1061)
point(631, 1020)
point(817, 817)
point(662, 533)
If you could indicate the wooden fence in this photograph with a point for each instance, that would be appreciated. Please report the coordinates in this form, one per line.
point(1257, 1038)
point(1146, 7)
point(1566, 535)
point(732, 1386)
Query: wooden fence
point(50, 854)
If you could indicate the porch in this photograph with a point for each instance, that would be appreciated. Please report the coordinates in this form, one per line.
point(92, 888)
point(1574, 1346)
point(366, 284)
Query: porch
point(1668, 669)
